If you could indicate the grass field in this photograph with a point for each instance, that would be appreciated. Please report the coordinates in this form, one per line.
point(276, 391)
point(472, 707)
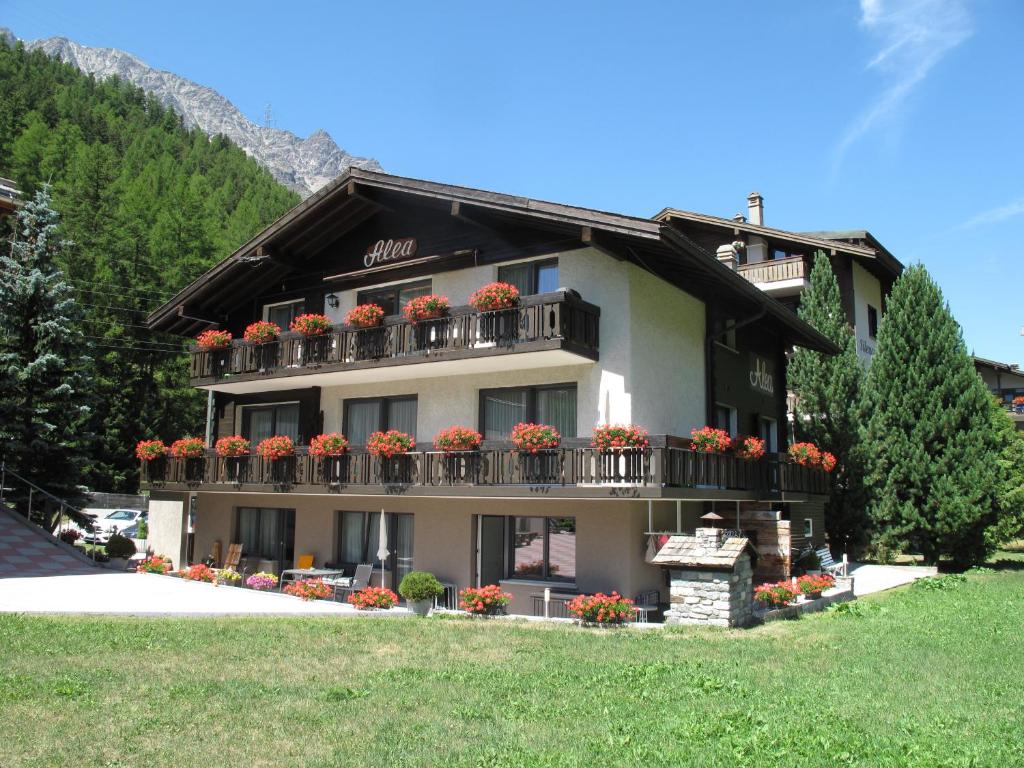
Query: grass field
point(916, 677)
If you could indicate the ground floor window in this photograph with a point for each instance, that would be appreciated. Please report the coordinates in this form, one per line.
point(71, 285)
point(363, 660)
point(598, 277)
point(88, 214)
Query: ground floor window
point(520, 547)
point(267, 534)
point(359, 540)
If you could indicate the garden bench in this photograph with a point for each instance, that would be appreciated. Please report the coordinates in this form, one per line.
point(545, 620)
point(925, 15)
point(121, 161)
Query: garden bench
point(829, 565)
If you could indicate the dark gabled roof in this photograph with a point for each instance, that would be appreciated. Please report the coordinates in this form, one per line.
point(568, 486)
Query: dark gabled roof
point(997, 366)
point(349, 200)
point(857, 236)
point(692, 552)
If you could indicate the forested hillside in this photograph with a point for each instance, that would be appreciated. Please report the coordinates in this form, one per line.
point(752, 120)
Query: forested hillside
point(147, 206)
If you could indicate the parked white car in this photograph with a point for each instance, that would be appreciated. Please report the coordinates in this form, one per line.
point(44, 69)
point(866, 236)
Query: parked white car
point(108, 521)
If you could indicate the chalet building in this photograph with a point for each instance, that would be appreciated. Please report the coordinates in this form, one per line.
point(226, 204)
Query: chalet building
point(621, 320)
point(10, 197)
point(779, 262)
point(1005, 381)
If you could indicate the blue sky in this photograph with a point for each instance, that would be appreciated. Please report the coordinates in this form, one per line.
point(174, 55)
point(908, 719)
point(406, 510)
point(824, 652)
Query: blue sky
point(898, 117)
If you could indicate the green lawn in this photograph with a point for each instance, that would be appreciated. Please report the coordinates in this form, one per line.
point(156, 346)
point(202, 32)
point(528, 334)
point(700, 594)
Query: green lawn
point(915, 677)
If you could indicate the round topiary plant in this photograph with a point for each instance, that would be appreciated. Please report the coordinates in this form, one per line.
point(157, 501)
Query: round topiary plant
point(120, 546)
point(420, 585)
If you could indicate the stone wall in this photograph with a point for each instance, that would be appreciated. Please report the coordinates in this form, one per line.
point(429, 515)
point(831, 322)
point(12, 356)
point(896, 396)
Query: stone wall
point(720, 598)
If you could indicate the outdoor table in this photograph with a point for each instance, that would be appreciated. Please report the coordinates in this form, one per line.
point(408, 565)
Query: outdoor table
point(296, 574)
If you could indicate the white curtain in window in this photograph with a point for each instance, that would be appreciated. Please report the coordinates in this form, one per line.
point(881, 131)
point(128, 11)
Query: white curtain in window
point(519, 275)
point(403, 544)
point(288, 421)
point(261, 424)
point(502, 411)
point(352, 532)
point(361, 420)
point(557, 407)
point(402, 416)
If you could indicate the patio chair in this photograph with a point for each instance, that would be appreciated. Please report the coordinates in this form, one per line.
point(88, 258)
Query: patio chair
point(234, 556)
point(645, 603)
point(304, 561)
point(360, 580)
point(828, 565)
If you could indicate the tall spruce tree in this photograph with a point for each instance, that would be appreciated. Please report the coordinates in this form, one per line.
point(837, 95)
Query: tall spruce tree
point(1010, 497)
point(41, 357)
point(932, 453)
point(828, 406)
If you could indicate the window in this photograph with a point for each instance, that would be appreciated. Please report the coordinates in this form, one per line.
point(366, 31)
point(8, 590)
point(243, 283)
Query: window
point(502, 409)
point(808, 528)
point(262, 421)
point(780, 253)
point(392, 298)
point(284, 312)
point(359, 539)
point(365, 416)
point(267, 534)
point(725, 418)
point(543, 548)
point(872, 322)
point(531, 277)
point(768, 430)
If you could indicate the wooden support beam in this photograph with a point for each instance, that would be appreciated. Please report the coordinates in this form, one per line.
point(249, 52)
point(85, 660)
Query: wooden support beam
point(598, 242)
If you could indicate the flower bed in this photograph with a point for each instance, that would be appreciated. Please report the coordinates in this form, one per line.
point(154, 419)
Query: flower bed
point(373, 597)
point(710, 440)
point(484, 601)
point(148, 450)
point(310, 589)
point(311, 324)
point(494, 296)
point(155, 564)
point(775, 594)
point(199, 572)
point(330, 444)
point(749, 447)
point(457, 439)
point(233, 446)
point(390, 443)
point(213, 339)
point(616, 437)
point(531, 438)
point(425, 308)
point(276, 447)
point(602, 609)
point(188, 448)
point(365, 316)
point(261, 581)
point(811, 586)
point(262, 332)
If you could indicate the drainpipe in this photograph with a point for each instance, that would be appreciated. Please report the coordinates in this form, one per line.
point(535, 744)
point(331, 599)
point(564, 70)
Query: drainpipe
point(209, 416)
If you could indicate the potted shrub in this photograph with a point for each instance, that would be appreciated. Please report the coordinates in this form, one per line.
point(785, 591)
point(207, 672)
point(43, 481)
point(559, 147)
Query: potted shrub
point(309, 589)
point(373, 598)
point(420, 589)
point(498, 319)
point(601, 609)
point(331, 449)
point(190, 450)
point(235, 452)
point(710, 440)
point(811, 586)
point(775, 595)
point(484, 601)
point(155, 564)
point(120, 549)
point(279, 450)
point(365, 316)
point(153, 455)
point(805, 454)
point(261, 581)
point(391, 448)
point(749, 447)
point(213, 339)
point(622, 450)
point(537, 446)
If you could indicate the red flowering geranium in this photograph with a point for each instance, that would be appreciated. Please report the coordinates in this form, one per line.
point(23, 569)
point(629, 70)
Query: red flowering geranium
point(530, 438)
point(199, 572)
point(188, 448)
point(309, 589)
point(276, 447)
point(235, 445)
point(331, 444)
point(262, 332)
point(494, 296)
point(373, 597)
point(147, 450)
point(611, 437)
point(365, 316)
point(775, 594)
point(311, 324)
point(425, 308)
point(710, 440)
point(1018, 400)
point(213, 339)
point(390, 443)
point(457, 439)
point(805, 454)
point(749, 447)
point(486, 600)
point(155, 564)
point(828, 461)
point(814, 585)
point(601, 608)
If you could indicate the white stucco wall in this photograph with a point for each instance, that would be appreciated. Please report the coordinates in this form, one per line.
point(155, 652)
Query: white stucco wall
point(866, 290)
point(166, 524)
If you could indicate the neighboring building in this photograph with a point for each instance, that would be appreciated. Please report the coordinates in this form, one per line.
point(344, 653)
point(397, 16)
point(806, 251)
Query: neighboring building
point(10, 197)
point(1005, 381)
point(622, 320)
point(779, 262)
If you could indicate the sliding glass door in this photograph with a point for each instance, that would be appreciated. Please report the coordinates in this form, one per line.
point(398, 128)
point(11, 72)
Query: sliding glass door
point(359, 540)
point(267, 534)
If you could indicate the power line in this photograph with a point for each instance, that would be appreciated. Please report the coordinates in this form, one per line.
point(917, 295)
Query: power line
point(108, 291)
point(120, 286)
point(140, 344)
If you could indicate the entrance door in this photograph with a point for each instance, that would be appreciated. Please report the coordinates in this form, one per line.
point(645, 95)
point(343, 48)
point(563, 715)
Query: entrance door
point(490, 549)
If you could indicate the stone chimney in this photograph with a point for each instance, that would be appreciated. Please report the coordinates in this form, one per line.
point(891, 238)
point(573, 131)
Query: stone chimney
point(709, 538)
point(755, 209)
point(727, 255)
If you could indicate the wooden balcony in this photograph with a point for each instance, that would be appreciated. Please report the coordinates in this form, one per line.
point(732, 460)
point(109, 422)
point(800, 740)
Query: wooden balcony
point(670, 468)
point(779, 276)
point(559, 325)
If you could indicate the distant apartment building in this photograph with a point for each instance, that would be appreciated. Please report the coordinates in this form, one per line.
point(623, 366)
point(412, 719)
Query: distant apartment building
point(1005, 381)
point(10, 197)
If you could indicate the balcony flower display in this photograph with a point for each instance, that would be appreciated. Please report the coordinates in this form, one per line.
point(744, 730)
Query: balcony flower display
point(276, 447)
point(484, 601)
point(188, 448)
point(309, 589)
point(426, 308)
point(828, 461)
point(602, 609)
point(261, 581)
point(373, 597)
point(457, 438)
point(811, 587)
point(775, 595)
point(616, 437)
point(805, 454)
point(494, 296)
point(531, 438)
point(710, 440)
point(155, 564)
point(365, 316)
point(390, 443)
point(262, 332)
point(330, 444)
point(231, 447)
point(311, 324)
point(749, 447)
point(213, 339)
point(148, 450)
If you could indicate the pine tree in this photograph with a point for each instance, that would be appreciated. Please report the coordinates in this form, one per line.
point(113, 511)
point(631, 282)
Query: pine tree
point(827, 410)
point(41, 357)
point(1010, 497)
point(932, 453)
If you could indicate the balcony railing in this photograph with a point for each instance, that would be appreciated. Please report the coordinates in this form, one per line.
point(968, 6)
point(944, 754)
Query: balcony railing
point(669, 463)
point(559, 320)
point(791, 268)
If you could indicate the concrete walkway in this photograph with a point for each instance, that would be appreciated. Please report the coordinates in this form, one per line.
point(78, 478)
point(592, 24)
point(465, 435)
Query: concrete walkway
point(868, 579)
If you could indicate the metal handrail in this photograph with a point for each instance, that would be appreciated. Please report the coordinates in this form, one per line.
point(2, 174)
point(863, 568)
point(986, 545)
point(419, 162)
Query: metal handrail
point(32, 489)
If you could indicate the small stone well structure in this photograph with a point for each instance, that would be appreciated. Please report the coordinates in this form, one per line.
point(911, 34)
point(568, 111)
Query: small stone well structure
point(711, 578)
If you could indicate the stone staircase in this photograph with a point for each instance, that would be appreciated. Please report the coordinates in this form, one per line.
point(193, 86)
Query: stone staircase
point(26, 550)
